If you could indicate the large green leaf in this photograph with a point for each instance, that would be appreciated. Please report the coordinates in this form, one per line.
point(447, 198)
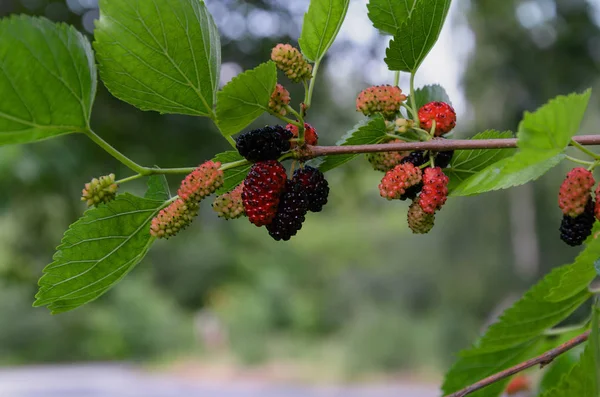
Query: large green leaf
point(233, 176)
point(162, 55)
point(580, 274)
point(467, 162)
point(580, 381)
point(47, 80)
point(96, 252)
point(417, 35)
point(431, 93)
point(552, 126)
point(245, 98)
point(514, 336)
point(366, 132)
point(388, 15)
point(523, 167)
point(321, 25)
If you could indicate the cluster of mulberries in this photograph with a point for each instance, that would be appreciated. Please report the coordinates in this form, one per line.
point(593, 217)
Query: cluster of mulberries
point(280, 98)
point(179, 214)
point(384, 99)
point(270, 199)
point(100, 190)
point(291, 62)
point(428, 189)
point(267, 197)
point(578, 206)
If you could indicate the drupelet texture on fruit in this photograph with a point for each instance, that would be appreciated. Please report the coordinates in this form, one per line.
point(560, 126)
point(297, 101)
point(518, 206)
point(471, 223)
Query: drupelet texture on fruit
point(174, 218)
point(384, 99)
point(419, 221)
point(201, 182)
point(397, 180)
point(385, 161)
point(315, 185)
point(416, 158)
point(291, 212)
point(264, 144)
point(575, 191)
point(291, 61)
point(100, 190)
point(443, 114)
point(229, 205)
point(261, 191)
point(574, 230)
point(310, 134)
point(280, 98)
point(435, 190)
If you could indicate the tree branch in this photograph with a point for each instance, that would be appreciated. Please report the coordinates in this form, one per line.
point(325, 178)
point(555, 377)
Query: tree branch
point(438, 145)
point(542, 360)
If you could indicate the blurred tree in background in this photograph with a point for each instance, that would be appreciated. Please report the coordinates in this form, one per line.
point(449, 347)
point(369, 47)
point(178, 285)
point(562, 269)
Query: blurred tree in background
point(355, 281)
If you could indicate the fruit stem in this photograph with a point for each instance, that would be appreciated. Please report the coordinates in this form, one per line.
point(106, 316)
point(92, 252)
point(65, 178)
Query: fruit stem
point(396, 78)
point(585, 150)
point(132, 165)
point(413, 101)
point(309, 93)
point(129, 179)
point(288, 120)
point(234, 164)
point(578, 161)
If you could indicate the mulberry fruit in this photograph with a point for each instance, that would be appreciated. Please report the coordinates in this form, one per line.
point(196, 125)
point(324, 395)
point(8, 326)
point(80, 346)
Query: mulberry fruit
point(263, 144)
point(315, 185)
point(443, 159)
point(597, 206)
point(310, 134)
point(574, 231)
point(519, 383)
point(435, 190)
point(291, 62)
point(443, 114)
point(575, 191)
point(261, 191)
point(385, 161)
point(419, 221)
point(416, 158)
point(397, 180)
point(383, 99)
point(229, 205)
point(100, 190)
point(291, 212)
point(402, 126)
point(171, 220)
point(202, 182)
point(412, 192)
point(279, 100)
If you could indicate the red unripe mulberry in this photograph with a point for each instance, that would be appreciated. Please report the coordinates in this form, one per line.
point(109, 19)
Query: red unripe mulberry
point(201, 182)
point(397, 180)
point(443, 114)
point(575, 191)
point(435, 190)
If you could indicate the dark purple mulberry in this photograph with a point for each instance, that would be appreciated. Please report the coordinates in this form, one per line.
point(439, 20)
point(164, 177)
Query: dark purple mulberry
point(314, 183)
point(263, 144)
point(293, 206)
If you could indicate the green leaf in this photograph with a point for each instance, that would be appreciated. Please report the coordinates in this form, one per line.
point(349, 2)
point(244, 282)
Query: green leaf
point(580, 381)
point(523, 167)
point(553, 125)
point(417, 35)
point(162, 55)
point(388, 15)
point(431, 93)
point(514, 336)
point(321, 25)
point(245, 98)
point(158, 188)
point(233, 176)
point(580, 274)
point(467, 162)
point(594, 345)
point(96, 252)
point(47, 80)
point(559, 367)
point(366, 132)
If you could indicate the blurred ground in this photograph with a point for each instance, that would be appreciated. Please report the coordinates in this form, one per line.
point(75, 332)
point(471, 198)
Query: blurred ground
point(128, 381)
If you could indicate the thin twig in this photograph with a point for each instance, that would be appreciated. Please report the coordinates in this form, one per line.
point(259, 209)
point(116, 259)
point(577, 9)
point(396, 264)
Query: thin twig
point(542, 360)
point(434, 144)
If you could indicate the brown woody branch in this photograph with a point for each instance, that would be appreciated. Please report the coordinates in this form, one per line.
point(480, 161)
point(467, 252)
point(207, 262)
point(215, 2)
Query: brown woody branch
point(438, 145)
point(542, 360)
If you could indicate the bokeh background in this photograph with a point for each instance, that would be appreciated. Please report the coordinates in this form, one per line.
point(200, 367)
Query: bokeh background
point(355, 295)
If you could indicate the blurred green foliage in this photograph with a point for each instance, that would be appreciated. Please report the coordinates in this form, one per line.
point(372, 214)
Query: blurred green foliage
point(354, 276)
